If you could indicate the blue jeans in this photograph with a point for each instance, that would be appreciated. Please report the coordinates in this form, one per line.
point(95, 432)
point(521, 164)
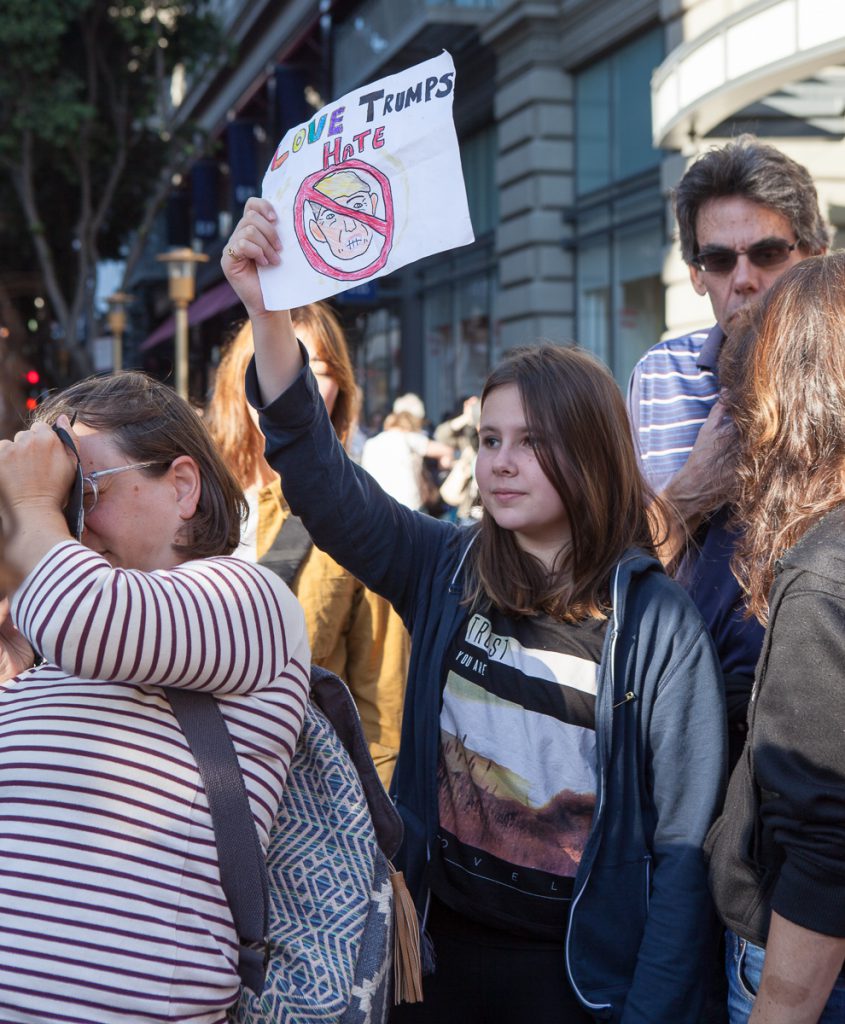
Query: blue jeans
point(744, 966)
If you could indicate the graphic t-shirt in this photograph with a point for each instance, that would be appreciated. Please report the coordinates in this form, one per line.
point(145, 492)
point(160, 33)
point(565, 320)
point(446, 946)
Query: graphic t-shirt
point(517, 769)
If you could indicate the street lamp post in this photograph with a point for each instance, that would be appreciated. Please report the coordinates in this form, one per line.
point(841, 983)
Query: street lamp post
point(117, 323)
point(181, 271)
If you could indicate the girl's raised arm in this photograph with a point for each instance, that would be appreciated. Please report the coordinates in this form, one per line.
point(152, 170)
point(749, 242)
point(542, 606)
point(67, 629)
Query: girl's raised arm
point(255, 243)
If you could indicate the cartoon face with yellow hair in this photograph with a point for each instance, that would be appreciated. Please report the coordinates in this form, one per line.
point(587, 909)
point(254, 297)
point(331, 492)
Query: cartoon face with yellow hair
point(345, 235)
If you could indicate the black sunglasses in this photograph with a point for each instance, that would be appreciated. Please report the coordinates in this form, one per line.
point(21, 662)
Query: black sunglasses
point(761, 254)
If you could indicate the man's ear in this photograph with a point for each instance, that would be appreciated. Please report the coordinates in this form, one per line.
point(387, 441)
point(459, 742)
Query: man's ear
point(374, 200)
point(187, 484)
point(316, 231)
point(697, 280)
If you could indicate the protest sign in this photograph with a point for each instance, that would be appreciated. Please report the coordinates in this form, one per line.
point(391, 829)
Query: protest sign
point(371, 183)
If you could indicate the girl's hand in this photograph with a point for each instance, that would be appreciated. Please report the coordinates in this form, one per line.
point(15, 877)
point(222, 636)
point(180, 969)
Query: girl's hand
point(254, 243)
point(36, 471)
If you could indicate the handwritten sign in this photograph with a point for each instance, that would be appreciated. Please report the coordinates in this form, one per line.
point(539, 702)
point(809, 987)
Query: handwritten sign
point(371, 183)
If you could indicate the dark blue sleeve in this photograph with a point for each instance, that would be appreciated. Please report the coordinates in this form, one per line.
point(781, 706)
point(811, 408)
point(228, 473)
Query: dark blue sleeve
point(392, 549)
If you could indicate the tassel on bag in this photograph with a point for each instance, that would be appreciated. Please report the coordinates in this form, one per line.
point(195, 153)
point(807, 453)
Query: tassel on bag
point(407, 971)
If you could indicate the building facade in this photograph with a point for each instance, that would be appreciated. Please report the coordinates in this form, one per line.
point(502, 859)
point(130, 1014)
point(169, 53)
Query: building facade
point(575, 120)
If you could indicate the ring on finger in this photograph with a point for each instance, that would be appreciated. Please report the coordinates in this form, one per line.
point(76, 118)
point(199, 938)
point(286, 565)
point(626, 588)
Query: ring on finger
point(231, 252)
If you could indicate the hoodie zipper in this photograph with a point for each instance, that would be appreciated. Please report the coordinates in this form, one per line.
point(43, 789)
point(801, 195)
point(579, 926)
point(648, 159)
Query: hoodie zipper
point(614, 635)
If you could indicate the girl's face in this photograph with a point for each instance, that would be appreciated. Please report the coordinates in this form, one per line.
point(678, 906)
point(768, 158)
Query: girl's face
point(319, 367)
point(513, 487)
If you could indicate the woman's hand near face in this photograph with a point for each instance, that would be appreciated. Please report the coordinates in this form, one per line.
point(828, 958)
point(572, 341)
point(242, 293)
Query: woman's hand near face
point(36, 475)
point(16, 655)
point(36, 469)
point(255, 243)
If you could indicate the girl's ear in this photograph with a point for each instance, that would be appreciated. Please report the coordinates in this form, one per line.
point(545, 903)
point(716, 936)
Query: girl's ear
point(187, 484)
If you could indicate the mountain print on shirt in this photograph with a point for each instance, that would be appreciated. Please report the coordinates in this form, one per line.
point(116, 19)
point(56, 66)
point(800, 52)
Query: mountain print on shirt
point(514, 810)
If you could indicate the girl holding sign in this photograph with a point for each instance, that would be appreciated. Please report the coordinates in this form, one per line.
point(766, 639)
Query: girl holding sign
point(563, 744)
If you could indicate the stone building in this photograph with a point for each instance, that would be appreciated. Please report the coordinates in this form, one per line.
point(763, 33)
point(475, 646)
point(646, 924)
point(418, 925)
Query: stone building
point(575, 119)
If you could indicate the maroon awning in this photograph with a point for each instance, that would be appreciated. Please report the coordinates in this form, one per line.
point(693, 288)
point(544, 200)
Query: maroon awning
point(215, 300)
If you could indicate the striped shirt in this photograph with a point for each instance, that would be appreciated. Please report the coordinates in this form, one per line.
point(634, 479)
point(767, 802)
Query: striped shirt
point(111, 907)
point(672, 389)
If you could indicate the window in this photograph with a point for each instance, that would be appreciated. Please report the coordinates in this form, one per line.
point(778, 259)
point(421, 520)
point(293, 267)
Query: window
point(458, 324)
point(613, 115)
point(478, 160)
point(620, 295)
point(619, 216)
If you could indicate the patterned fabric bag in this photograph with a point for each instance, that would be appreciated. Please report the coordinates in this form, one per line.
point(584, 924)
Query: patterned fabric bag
point(331, 901)
point(328, 902)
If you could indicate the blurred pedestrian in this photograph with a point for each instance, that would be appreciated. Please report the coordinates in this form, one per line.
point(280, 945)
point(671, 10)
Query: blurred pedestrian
point(459, 488)
point(395, 456)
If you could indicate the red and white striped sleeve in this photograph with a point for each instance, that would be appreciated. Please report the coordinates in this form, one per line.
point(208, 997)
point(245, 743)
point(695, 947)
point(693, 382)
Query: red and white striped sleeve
point(218, 624)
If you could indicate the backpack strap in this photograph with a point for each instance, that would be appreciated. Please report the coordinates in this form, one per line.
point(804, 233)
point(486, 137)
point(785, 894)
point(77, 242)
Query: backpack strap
point(243, 869)
point(333, 698)
point(288, 550)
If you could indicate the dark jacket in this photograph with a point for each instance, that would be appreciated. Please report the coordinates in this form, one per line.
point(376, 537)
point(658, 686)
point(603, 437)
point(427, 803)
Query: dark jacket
point(780, 844)
point(638, 928)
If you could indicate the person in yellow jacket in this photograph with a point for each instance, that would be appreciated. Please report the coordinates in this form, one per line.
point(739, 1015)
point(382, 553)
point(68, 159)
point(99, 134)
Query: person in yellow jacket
point(353, 632)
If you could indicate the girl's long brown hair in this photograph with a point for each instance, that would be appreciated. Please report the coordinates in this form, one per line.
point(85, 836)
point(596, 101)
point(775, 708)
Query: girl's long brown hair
point(783, 377)
point(574, 408)
point(228, 418)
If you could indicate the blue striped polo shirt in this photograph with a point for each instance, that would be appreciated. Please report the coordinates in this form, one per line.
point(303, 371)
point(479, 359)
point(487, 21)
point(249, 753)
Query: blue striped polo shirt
point(672, 389)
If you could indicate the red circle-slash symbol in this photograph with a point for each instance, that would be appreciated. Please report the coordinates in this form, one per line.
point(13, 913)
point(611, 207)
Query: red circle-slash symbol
point(308, 193)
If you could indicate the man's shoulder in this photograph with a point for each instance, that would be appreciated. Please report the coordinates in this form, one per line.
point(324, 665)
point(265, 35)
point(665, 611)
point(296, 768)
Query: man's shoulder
point(683, 348)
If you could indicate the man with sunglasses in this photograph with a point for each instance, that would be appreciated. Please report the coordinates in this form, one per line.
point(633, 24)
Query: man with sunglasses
point(746, 214)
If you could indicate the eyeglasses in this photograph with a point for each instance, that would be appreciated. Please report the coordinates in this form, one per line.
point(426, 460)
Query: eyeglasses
point(761, 254)
point(91, 489)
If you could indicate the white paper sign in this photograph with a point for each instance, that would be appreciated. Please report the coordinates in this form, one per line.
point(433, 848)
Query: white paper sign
point(371, 183)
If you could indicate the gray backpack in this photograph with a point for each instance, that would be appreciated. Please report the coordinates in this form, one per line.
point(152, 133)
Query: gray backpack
point(316, 919)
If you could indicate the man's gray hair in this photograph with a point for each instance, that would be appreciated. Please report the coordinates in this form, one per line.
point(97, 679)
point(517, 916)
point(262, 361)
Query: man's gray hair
point(750, 169)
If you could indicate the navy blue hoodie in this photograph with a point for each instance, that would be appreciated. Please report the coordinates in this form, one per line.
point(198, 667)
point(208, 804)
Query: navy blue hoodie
point(638, 938)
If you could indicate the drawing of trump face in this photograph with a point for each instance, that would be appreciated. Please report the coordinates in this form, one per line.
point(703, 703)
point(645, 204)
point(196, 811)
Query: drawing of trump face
point(345, 235)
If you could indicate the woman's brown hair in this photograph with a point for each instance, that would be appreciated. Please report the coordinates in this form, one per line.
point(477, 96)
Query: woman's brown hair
point(321, 320)
point(149, 422)
point(574, 410)
point(228, 416)
point(783, 376)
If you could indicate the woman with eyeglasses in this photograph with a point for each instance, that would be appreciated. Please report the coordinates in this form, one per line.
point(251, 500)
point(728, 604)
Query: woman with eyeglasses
point(111, 905)
point(778, 851)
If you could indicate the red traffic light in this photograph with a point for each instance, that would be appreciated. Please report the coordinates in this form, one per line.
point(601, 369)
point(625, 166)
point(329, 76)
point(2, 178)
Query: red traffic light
point(32, 376)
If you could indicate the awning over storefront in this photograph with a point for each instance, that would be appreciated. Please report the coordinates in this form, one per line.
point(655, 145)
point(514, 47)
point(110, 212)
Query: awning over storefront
point(215, 300)
point(740, 60)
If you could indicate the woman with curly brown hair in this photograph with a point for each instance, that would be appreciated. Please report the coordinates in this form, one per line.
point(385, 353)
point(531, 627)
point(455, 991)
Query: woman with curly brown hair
point(778, 851)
